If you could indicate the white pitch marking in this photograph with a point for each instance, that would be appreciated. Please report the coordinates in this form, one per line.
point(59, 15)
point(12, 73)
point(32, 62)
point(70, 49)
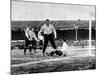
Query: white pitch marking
point(46, 60)
point(81, 49)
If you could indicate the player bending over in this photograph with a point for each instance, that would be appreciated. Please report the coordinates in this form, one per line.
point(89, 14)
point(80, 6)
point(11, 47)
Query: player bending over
point(30, 39)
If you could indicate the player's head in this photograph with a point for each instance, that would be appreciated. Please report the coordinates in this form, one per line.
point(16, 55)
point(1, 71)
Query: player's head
point(47, 21)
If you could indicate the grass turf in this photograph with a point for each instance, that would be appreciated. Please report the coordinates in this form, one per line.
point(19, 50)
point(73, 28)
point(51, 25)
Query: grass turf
point(72, 64)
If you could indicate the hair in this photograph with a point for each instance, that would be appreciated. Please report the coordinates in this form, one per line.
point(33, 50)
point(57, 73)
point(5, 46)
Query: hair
point(47, 20)
point(64, 39)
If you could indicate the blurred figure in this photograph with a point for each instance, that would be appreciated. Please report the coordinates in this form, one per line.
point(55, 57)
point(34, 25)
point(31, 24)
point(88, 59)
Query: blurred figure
point(33, 39)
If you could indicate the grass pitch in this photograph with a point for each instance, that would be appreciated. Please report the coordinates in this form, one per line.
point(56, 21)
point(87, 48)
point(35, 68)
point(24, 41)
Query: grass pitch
point(76, 60)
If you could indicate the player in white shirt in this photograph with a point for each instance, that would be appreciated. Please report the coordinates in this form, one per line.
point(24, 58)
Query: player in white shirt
point(64, 47)
point(49, 35)
point(30, 39)
point(32, 35)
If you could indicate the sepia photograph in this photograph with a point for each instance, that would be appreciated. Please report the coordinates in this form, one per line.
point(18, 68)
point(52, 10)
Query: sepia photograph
point(52, 37)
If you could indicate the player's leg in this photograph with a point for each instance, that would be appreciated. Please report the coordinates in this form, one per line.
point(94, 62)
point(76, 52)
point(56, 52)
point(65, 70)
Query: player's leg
point(31, 43)
point(45, 44)
point(26, 45)
point(35, 49)
point(34, 45)
point(53, 44)
point(25, 51)
point(52, 41)
point(25, 48)
point(30, 50)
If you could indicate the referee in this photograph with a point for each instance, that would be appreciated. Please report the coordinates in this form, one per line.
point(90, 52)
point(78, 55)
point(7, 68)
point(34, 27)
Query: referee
point(49, 35)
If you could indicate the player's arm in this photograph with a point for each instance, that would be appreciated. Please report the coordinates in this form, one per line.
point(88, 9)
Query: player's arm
point(27, 33)
point(34, 36)
point(41, 30)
